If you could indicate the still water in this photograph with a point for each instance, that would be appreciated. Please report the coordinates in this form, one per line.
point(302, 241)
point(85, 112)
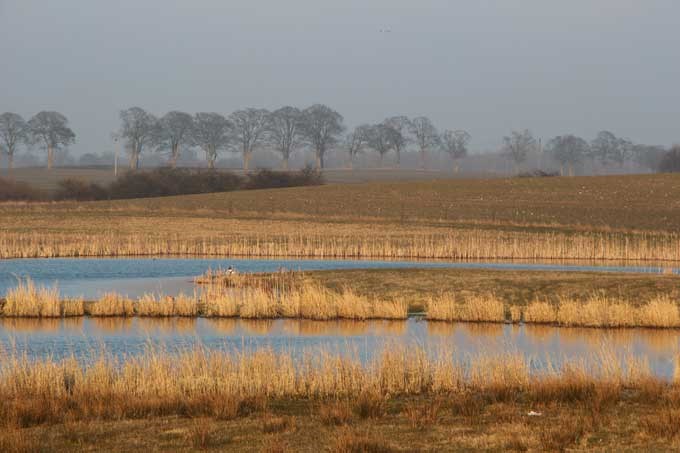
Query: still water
point(91, 277)
point(120, 337)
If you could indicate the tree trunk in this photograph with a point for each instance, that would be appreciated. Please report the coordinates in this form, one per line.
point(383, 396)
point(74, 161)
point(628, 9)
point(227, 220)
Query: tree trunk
point(456, 167)
point(246, 160)
point(571, 169)
point(10, 161)
point(381, 160)
point(50, 157)
point(422, 159)
point(350, 164)
point(319, 159)
point(285, 162)
point(174, 156)
point(134, 160)
point(211, 163)
point(398, 151)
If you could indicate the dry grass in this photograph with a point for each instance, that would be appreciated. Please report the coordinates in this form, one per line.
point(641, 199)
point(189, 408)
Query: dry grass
point(484, 308)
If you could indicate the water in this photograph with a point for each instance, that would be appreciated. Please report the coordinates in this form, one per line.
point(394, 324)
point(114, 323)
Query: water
point(91, 277)
point(120, 337)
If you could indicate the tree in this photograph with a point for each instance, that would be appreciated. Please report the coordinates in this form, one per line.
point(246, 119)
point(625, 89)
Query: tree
point(355, 142)
point(13, 131)
point(51, 130)
point(518, 145)
point(248, 129)
point(284, 131)
point(321, 127)
point(671, 161)
point(568, 150)
point(381, 138)
point(211, 132)
point(649, 156)
point(454, 143)
point(426, 136)
point(175, 129)
point(139, 128)
point(607, 147)
point(400, 125)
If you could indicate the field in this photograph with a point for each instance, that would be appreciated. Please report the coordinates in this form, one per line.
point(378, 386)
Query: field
point(614, 217)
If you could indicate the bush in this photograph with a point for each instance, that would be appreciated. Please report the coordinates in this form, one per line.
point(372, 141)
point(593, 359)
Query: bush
point(267, 179)
point(670, 163)
point(167, 182)
point(19, 191)
point(75, 189)
point(538, 174)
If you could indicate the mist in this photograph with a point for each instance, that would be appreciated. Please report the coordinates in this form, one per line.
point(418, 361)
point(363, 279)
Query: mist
point(486, 66)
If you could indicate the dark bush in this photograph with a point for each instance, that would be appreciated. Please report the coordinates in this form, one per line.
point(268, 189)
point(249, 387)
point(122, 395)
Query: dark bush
point(267, 179)
point(538, 174)
point(670, 163)
point(19, 191)
point(166, 182)
point(75, 189)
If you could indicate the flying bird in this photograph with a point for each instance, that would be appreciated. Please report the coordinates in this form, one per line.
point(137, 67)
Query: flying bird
point(385, 30)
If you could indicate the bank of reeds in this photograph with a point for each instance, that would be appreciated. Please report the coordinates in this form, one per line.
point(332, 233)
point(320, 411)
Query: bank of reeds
point(472, 244)
point(307, 301)
point(225, 384)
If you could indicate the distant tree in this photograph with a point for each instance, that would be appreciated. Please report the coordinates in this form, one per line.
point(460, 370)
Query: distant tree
point(454, 143)
point(284, 131)
point(567, 150)
point(608, 148)
point(248, 130)
point(670, 163)
point(381, 138)
point(518, 145)
point(355, 141)
point(211, 132)
point(139, 129)
point(426, 136)
point(13, 132)
point(649, 157)
point(400, 139)
point(321, 127)
point(175, 129)
point(50, 129)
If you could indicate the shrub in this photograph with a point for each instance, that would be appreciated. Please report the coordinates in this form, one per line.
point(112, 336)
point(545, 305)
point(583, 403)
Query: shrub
point(75, 189)
point(19, 191)
point(670, 163)
point(267, 179)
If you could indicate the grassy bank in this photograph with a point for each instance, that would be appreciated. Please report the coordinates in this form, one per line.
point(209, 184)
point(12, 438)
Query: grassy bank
point(622, 217)
point(405, 399)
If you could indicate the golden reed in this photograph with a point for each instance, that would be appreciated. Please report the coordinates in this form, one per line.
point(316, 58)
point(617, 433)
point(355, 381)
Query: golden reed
point(203, 382)
point(457, 244)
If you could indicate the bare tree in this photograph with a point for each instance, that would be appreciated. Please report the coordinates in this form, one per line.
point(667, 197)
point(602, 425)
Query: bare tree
point(211, 132)
point(284, 131)
point(139, 128)
point(355, 142)
point(607, 147)
point(248, 129)
point(400, 139)
point(13, 131)
point(518, 145)
point(426, 136)
point(454, 143)
point(51, 130)
point(175, 129)
point(649, 156)
point(321, 127)
point(381, 138)
point(568, 150)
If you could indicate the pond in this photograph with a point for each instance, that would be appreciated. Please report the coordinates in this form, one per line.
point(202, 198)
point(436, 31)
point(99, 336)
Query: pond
point(91, 277)
point(123, 337)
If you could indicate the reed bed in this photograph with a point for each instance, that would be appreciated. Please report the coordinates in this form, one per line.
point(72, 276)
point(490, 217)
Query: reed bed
point(29, 300)
point(472, 244)
point(204, 382)
point(478, 308)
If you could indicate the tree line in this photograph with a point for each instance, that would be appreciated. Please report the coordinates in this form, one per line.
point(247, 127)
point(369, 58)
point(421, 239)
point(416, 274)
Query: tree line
point(318, 128)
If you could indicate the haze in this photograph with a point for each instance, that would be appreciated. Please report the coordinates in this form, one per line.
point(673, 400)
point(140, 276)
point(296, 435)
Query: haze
point(487, 66)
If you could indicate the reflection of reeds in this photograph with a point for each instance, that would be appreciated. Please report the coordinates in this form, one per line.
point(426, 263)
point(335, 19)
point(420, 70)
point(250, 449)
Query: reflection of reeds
point(38, 325)
point(204, 382)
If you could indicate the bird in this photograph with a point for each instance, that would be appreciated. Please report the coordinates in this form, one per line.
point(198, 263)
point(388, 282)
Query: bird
point(385, 30)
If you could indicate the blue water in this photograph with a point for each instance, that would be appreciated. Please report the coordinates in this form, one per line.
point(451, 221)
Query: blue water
point(91, 277)
point(84, 338)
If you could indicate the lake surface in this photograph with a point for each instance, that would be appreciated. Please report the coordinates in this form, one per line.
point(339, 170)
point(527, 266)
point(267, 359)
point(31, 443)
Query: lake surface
point(91, 277)
point(120, 337)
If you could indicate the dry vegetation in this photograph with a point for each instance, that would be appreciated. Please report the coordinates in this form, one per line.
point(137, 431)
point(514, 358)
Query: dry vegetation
point(622, 217)
point(406, 399)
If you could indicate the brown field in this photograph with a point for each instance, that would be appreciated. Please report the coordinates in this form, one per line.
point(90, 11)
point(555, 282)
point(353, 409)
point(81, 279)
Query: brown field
point(613, 217)
point(402, 401)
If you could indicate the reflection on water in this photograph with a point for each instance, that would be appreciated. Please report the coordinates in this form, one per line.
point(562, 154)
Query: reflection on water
point(121, 337)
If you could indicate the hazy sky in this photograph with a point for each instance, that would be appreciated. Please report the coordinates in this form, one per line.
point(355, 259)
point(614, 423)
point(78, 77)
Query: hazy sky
point(488, 66)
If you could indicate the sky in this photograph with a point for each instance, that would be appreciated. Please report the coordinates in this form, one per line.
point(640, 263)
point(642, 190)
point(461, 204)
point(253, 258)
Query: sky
point(486, 66)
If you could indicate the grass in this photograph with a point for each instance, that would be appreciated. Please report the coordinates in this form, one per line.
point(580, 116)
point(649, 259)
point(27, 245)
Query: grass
point(401, 401)
point(618, 217)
